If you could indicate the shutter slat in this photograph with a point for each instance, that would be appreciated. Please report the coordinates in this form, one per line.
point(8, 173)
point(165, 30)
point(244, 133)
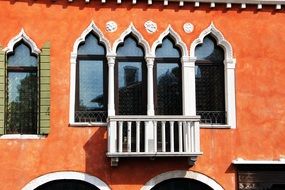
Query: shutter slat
point(45, 89)
point(2, 90)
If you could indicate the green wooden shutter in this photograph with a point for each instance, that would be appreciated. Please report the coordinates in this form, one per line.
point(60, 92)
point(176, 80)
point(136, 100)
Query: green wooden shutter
point(2, 90)
point(45, 89)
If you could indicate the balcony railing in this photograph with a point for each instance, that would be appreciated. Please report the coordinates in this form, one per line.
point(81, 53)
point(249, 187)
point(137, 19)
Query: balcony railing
point(153, 136)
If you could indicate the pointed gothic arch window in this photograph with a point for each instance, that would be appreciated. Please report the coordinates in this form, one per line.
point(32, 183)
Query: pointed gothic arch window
point(91, 81)
point(167, 77)
point(130, 78)
point(210, 82)
point(22, 89)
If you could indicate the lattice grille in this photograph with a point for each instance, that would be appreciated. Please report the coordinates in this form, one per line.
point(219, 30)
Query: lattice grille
point(22, 96)
point(210, 95)
point(131, 100)
point(90, 116)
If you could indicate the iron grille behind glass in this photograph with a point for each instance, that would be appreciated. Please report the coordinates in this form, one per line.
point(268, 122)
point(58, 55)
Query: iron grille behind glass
point(210, 87)
point(91, 81)
point(22, 91)
point(167, 71)
point(130, 79)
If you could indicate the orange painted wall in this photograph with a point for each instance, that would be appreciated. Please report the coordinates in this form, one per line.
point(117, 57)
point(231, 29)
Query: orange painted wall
point(258, 41)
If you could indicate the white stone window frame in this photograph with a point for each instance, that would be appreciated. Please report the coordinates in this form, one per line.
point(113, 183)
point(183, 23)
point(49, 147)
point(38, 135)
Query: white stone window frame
point(188, 71)
point(22, 36)
point(73, 59)
point(229, 73)
point(131, 30)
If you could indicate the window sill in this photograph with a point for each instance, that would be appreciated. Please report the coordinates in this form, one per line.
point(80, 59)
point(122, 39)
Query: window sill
point(89, 124)
point(214, 126)
point(19, 136)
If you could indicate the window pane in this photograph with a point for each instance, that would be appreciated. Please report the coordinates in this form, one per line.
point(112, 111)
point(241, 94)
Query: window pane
point(210, 51)
point(167, 49)
point(22, 103)
point(130, 48)
point(91, 86)
point(91, 100)
point(210, 93)
point(131, 89)
point(91, 46)
point(169, 96)
point(22, 57)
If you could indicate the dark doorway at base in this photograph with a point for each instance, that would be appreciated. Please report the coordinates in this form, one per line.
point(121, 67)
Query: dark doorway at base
point(181, 184)
point(67, 185)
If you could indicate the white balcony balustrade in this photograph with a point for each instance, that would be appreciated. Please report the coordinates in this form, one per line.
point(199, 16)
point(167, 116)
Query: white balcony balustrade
point(153, 136)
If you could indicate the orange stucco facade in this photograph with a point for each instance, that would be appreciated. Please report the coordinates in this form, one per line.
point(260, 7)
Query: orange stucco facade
point(258, 42)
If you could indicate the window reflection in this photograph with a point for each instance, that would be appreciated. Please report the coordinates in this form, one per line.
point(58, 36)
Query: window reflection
point(167, 49)
point(91, 88)
point(22, 57)
point(130, 48)
point(91, 81)
point(209, 74)
point(168, 89)
point(209, 50)
point(168, 79)
point(130, 88)
point(91, 46)
point(22, 90)
point(131, 79)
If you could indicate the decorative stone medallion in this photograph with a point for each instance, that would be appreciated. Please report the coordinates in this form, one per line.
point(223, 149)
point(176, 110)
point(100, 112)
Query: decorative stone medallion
point(188, 27)
point(111, 26)
point(150, 26)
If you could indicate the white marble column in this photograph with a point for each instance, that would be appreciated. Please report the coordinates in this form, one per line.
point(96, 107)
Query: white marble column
point(230, 94)
point(112, 128)
point(149, 126)
point(188, 86)
point(150, 101)
point(111, 86)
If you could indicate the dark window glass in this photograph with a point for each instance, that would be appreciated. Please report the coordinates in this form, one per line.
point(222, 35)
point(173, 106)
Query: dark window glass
point(167, 49)
point(91, 86)
point(91, 82)
point(22, 91)
point(210, 92)
point(91, 46)
point(67, 185)
point(168, 91)
point(22, 57)
point(130, 79)
point(277, 187)
point(181, 184)
point(130, 48)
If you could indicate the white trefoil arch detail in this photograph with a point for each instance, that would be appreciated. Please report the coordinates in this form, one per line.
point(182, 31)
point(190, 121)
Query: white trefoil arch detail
point(188, 71)
point(63, 175)
point(22, 36)
point(149, 60)
point(182, 174)
point(92, 28)
point(229, 65)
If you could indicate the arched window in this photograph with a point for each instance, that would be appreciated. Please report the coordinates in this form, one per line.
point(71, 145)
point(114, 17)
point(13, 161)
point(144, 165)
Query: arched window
point(22, 89)
point(130, 79)
point(91, 81)
point(167, 77)
point(210, 82)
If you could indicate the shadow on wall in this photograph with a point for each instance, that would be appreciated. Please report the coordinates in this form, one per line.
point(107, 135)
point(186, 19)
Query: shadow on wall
point(113, 5)
point(130, 171)
point(97, 163)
